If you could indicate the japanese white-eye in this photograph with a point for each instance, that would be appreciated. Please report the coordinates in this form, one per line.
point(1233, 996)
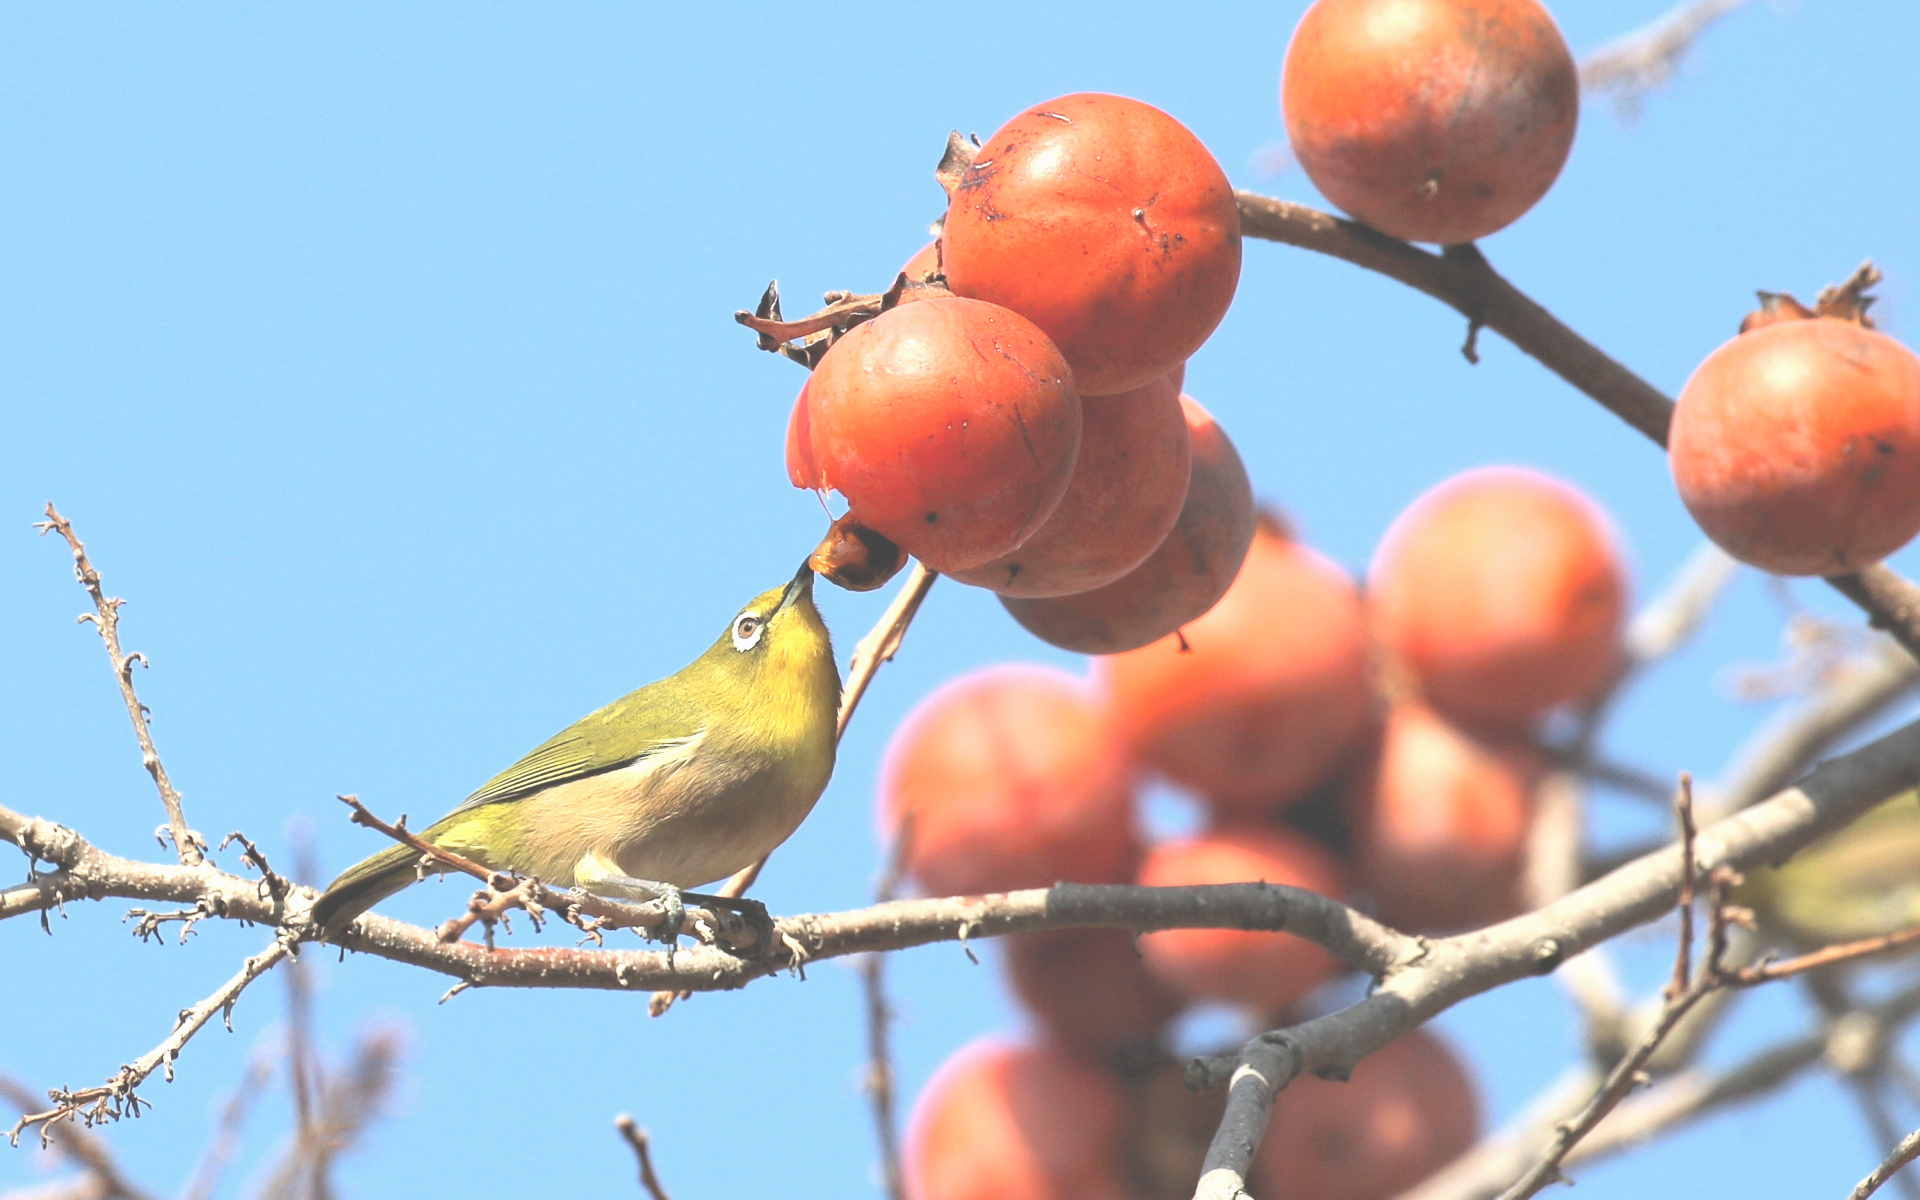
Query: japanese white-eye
point(678, 784)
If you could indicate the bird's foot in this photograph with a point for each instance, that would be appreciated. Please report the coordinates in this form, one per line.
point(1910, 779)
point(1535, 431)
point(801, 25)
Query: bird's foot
point(753, 912)
point(669, 897)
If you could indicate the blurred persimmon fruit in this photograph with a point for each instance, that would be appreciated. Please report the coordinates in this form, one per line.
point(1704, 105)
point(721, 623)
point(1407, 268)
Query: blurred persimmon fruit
point(1259, 700)
point(1408, 1109)
point(1440, 820)
point(1001, 1121)
point(1006, 778)
point(1267, 972)
point(1090, 989)
point(1501, 593)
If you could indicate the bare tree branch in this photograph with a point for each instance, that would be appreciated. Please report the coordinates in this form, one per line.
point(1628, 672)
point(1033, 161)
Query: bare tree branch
point(226, 1135)
point(636, 1137)
point(1670, 620)
point(1442, 971)
point(1454, 968)
point(106, 618)
point(100, 1178)
point(879, 1082)
point(117, 1097)
point(1784, 748)
point(1904, 1153)
point(1417, 977)
point(1644, 60)
point(1684, 990)
point(1684, 1097)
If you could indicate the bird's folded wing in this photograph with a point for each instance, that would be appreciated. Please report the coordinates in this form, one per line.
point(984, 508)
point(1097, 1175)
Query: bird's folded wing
point(607, 740)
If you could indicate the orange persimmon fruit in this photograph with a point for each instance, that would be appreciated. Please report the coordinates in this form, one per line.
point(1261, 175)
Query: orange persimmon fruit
point(1000, 1121)
point(1009, 777)
point(1796, 446)
point(1184, 576)
point(1430, 120)
point(951, 426)
point(1109, 225)
point(1126, 492)
point(1268, 972)
point(1261, 699)
point(1502, 593)
point(1440, 823)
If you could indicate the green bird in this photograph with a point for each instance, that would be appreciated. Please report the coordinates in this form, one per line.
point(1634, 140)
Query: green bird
point(678, 784)
point(1860, 881)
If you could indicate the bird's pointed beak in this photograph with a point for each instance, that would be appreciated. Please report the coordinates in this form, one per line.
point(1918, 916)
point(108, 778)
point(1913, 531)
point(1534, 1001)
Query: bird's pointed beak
point(801, 585)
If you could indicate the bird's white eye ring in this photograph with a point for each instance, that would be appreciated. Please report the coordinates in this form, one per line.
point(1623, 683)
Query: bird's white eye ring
point(747, 628)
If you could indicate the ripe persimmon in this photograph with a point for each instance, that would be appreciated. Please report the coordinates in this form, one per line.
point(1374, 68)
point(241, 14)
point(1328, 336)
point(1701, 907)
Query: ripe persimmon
point(1408, 1109)
point(1089, 988)
point(1127, 488)
point(1268, 972)
point(1109, 225)
point(1260, 700)
point(1185, 575)
point(1502, 593)
point(951, 427)
point(1011, 778)
point(1430, 120)
point(1440, 823)
point(1796, 446)
point(1007, 1122)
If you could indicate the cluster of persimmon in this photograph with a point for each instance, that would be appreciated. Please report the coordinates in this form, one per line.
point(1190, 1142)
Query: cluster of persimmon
point(1382, 749)
point(1015, 420)
point(1012, 415)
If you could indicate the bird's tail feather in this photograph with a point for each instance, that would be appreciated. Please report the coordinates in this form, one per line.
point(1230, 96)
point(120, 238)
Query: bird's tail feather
point(362, 886)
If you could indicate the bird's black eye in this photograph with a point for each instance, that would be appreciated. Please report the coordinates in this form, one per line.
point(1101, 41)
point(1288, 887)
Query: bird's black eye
point(746, 631)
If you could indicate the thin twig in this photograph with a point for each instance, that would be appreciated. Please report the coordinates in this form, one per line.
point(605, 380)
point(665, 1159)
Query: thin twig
point(883, 641)
point(1904, 1153)
point(1683, 953)
point(1767, 972)
point(106, 618)
point(1634, 65)
point(226, 1136)
point(103, 1178)
point(636, 1137)
point(116, 1097)
point(1869, 1095)
point(879, 1084)
point(1687, 988)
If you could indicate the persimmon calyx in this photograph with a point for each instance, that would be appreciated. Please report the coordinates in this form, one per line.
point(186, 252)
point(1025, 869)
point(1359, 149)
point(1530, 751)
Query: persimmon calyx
point(1846, 301)
point(816, 332)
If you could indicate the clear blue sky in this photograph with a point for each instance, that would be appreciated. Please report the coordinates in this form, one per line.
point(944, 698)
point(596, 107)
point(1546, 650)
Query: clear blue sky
point(383, 356)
